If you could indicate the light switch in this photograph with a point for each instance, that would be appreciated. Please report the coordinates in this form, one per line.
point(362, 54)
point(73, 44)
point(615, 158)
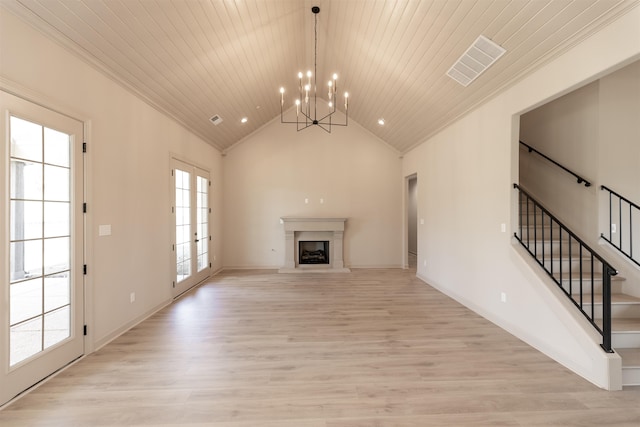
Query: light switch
point(306, 201)
point(104, 230)
point(421, 221)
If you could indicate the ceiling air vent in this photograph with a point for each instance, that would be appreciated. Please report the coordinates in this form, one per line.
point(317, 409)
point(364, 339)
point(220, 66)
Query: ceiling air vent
point(480, 56)
point(216, 120)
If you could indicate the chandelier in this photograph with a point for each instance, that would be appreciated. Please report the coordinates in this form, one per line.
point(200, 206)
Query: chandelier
point(306, 114)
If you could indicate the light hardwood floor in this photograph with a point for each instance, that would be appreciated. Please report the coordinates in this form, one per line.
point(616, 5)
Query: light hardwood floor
point(371, 348)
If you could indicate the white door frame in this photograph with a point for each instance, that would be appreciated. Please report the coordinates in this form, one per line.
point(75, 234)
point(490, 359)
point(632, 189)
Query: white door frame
point(32, 370)
point(195, 277)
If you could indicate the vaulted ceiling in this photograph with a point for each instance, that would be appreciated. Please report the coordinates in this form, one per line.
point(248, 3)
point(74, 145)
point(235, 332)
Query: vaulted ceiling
point(193, 59)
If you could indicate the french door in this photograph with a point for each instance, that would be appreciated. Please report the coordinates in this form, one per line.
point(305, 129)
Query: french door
point(191, 238)
point(42, 243)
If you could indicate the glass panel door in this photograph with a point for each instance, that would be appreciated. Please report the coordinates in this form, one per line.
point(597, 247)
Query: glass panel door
point(202, 222)
point(44, 291)
point(183, 224)
point(191, 217)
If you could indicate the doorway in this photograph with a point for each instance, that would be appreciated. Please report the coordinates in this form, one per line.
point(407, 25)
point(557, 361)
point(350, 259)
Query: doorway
point(43, 243)
point(412, 221)
point(191, 237)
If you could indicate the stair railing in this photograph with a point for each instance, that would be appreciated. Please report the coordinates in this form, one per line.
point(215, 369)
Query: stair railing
point(580, 179)
point(624, 227)
point(552, 245)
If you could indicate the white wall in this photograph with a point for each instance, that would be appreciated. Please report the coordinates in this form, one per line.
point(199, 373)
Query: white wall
point(566, 130)
point(465, 194)
point(270, 174)
point(128, 176)
point(619, 161)
point(619, 132)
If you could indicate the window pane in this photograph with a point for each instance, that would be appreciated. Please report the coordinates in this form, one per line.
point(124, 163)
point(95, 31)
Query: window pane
point(26, 340)
point(57, 326)
point(25, 259)
point(56, 255)
point(182, 179)
point(26, 180)
point(56, 147)
point(202, 262)
point(56, 219)
point(56, 183)
point(26, 139)
point(26, 300)
point(26, 220)
point(56, 291)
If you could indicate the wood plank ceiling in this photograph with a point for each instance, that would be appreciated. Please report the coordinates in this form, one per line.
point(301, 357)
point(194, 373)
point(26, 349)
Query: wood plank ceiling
point(196, 58)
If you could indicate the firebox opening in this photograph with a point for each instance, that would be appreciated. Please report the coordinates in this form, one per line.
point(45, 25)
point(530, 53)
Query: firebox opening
point(313, 252)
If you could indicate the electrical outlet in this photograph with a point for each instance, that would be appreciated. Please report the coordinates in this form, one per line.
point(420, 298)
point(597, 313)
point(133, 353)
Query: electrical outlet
point(306, 201)
point(132, 297)
point(614, 228)
point(424, 262)
point(503, 227)
point(503, 296)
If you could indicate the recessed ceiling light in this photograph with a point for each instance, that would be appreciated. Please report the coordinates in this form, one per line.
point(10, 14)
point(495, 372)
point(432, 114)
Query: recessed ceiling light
point(243, 120)
point(381, 122)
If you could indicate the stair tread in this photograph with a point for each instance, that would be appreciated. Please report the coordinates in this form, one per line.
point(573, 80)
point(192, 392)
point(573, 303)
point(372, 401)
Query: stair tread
point(586, 277)
point(630, 357)
point(625, 325)
point(617, 299)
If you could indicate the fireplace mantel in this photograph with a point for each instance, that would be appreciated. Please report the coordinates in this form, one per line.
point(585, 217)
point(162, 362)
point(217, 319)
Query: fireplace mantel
point(303, 228)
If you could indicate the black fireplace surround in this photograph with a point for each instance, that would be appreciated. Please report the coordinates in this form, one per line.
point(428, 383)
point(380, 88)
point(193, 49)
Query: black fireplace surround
point(313, 252)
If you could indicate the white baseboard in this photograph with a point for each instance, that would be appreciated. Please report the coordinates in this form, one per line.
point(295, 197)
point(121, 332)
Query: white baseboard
point(124, 328)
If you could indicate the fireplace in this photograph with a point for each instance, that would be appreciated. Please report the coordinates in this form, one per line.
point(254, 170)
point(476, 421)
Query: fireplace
point(313, 245)
point(313, 252)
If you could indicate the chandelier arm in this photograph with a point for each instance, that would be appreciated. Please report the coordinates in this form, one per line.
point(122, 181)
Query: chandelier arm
point(322, 126)
point(298, 128)
point(327, 116)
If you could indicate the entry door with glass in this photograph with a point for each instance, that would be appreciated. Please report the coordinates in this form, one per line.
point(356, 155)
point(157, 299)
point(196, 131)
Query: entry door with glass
point(191, 212)
point(42, 244)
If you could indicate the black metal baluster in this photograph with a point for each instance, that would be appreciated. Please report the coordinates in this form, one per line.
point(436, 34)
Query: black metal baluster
point(606, 308)
point(528, 229)
point(543, 248)
point(581, 291)
point(560, 258)
point(570, 269)
point(552, 255)
point(520, 209)
point(535, 231)
point(592, 291)
point(620, 223)
point(630, 231)
point(610, 216)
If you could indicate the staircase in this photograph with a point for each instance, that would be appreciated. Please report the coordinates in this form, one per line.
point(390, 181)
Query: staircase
point(579, 275)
